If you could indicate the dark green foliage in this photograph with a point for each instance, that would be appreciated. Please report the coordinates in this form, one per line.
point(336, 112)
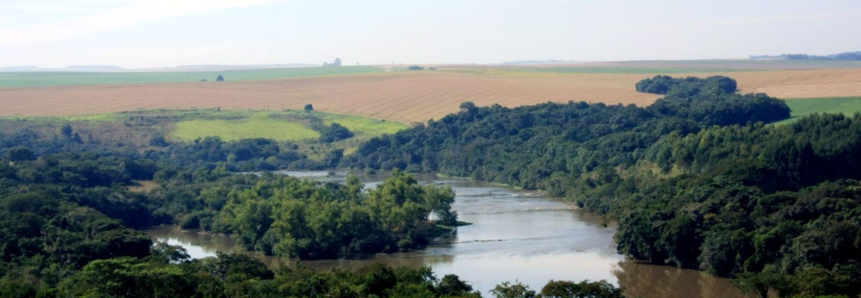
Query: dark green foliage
point(522, 146)
point(711, 101)
point(451, 285)
point(40, 229)
point(219, 79)
point(552, 146)
point(515, 290)
point(290, 217)
point(415, 67)
point(687, 86)
point(158, 141)
point(238, 156)
point(583, 289)
point(309, 107)
point(20, 153)
point(66, 130)
point(236, 275)
point(334, 133)
point(210, 152)
point(295, 218)
point(764, 203)
point(722, 109)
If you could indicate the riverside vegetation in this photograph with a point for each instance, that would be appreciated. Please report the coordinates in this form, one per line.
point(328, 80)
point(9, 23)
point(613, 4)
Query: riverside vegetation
point(695, 180)
point(69, 220)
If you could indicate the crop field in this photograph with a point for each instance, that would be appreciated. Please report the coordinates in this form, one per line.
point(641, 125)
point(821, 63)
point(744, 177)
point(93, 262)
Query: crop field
point(43, 79)
point(417, 96)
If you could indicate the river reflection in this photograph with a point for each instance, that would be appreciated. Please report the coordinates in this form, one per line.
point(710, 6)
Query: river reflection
point(644, 280)
point(515, 235)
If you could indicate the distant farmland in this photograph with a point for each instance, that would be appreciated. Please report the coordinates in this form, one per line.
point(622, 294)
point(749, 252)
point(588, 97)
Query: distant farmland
point(416, 96)
point(45, 79)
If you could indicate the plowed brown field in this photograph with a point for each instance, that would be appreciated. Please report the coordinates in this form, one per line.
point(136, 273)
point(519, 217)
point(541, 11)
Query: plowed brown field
point(402, 96)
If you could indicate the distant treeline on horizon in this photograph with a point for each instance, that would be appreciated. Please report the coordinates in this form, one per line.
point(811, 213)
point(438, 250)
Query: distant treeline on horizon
point(845, 56)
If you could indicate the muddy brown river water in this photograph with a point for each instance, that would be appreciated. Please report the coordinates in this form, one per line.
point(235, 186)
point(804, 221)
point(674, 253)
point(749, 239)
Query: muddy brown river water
point(515, 235)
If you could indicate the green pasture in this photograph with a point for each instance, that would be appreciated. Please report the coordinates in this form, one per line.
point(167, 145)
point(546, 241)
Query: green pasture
point(807, 106)
point(232, 130)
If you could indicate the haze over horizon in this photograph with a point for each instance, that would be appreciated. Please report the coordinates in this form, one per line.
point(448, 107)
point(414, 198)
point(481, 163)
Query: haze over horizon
point(162, 33)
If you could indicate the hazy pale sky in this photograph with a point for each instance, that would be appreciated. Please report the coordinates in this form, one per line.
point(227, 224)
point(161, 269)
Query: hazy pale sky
point(160, 33)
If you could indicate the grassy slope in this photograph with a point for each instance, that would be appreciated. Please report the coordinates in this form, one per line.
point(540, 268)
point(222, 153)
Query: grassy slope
point(42, 79)
point(807, 106)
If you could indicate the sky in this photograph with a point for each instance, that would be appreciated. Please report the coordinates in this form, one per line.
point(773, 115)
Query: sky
point(164, 33)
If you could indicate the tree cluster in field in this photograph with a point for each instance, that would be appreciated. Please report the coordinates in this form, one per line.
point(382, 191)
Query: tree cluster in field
point(687, 86)
point(329, 134)
point(335, 63)
point(711, 101)
point(695, 180)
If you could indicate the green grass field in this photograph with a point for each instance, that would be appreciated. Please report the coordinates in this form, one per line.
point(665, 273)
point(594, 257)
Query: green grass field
point(280, 126)
point(807, 106)
point(232, 130)
point(43, 79)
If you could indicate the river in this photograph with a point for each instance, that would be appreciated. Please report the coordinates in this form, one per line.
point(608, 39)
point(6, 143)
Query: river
point(515, 235)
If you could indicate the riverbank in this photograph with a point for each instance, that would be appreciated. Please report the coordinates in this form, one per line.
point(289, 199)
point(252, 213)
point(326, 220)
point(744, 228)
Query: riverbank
point(514, 235)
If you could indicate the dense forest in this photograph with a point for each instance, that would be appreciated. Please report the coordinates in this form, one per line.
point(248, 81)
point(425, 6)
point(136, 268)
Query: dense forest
point(695, 180)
